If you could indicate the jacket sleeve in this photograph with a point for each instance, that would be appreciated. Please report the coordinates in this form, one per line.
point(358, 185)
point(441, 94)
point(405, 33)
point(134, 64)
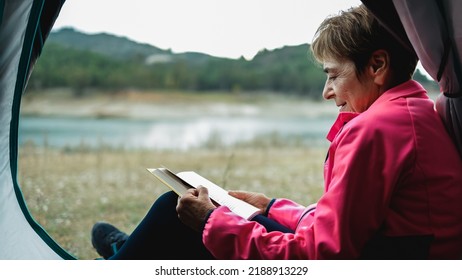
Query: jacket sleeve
point(364, 171)
point(286, 212)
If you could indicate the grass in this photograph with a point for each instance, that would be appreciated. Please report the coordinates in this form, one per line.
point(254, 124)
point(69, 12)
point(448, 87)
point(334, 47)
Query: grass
point(68, 190)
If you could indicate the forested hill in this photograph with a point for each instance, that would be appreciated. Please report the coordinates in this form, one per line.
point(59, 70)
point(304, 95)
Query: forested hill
point(111, 63)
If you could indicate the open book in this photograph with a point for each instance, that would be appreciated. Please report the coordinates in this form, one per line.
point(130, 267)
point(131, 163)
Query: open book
point(182, 181)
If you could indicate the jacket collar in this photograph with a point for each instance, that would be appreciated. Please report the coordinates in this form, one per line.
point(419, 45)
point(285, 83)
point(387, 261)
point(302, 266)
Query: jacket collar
point(342, 119)
point(407, 89)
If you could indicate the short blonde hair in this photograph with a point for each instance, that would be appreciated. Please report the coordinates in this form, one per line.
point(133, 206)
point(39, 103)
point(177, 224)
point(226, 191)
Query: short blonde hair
point(354, 35)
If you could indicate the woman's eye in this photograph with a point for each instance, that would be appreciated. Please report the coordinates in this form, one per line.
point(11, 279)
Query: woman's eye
point(331, 78)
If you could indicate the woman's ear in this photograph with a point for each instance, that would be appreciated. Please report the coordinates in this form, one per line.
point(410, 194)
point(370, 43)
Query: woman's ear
point(379, 66)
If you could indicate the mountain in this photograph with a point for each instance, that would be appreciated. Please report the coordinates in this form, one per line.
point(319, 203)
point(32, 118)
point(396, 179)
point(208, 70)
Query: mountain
point(112, 63)
point(119, 48)
point(103, 43)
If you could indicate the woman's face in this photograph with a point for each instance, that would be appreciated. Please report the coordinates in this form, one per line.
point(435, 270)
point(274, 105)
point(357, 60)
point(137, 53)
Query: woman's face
point(349, 92)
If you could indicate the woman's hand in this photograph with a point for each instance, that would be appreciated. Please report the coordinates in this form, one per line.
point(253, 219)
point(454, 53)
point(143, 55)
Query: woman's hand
point(258, 200)
point(193, 207)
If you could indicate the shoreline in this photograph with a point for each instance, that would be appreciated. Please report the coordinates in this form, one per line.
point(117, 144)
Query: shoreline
point(136, 105)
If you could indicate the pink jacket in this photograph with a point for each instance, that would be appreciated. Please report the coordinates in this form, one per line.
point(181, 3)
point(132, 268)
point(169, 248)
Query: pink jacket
point(391, 171)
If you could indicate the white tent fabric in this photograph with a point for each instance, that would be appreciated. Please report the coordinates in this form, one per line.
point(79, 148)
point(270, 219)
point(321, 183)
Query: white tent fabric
point(432, 28)
point(22, 25)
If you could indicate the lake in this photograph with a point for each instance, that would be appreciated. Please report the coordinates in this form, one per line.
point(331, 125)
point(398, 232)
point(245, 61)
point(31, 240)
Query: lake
point(169, 133)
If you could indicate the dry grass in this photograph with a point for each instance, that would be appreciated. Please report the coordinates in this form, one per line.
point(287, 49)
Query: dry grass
point(68, 190)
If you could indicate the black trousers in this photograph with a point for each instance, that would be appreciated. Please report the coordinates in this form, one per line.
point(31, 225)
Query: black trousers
point(162, 236)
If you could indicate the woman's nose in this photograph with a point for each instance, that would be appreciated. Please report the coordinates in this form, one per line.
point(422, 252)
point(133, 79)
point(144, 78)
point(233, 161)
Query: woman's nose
point(327, 92)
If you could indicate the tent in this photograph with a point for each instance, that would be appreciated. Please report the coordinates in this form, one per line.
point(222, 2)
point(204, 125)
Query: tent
point(24, 26)
point(429, 27)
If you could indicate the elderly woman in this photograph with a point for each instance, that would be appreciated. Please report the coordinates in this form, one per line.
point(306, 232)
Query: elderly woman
point(393, 180)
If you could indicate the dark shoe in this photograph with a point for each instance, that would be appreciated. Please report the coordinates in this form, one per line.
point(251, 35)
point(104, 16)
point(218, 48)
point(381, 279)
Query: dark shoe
point(107, 239)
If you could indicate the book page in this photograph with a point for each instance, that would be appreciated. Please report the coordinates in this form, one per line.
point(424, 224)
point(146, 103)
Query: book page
point(219, 195)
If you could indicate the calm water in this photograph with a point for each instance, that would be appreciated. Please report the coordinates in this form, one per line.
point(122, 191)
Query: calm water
point(167, 133)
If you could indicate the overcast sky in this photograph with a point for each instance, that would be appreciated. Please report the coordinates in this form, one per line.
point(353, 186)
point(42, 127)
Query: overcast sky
point(226, 28)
